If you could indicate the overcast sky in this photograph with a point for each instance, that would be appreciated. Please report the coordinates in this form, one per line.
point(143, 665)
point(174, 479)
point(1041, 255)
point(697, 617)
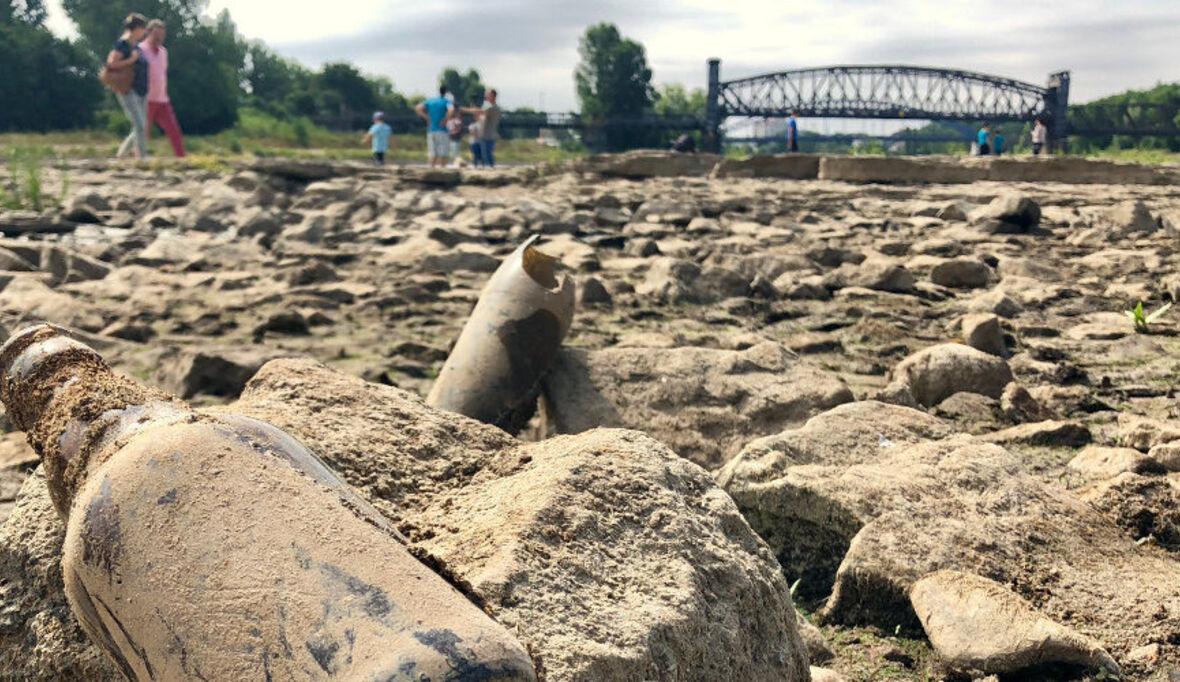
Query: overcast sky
point(528, 48)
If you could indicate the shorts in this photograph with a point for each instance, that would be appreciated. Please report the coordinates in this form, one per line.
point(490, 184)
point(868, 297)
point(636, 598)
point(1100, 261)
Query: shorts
point(438, 144)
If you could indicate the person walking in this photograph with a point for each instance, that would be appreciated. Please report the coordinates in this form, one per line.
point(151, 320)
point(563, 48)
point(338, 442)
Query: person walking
point(998, 142)
point(982, 138)
point(792, 133)
point(379, 133)
point(126, 55)
point(159, 107)
point(436, 111)
point(1040, 134)
point(488, 118)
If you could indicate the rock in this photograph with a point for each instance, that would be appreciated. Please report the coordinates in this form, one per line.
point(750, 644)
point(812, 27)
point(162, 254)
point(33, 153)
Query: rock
point(215, 370)
point(705, 403)
point(1145, 433)
point(39, 637)
point(972, 412)
point(289, 322)
point(592, 292)
point(1014, 212)
point(791, 166)
point(1130, 217)
point(641, 164)
point(961, 273)
point(1167, 454)
point(852, 433)
point(813, 638)
point(1099, 462)
point(883, 275)
point(568, 542)
point(459, 259)
point(939, 371)
point(955, 210)
point(1146, 507)
point(825, 675)
point(977, 624)
point(958, 504)
point(12, 262)
point(69, 266)
point(982, 331)
point(1019, 406)
point(1047, 433)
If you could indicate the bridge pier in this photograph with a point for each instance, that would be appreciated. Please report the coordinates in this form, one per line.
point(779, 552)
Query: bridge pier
point(712, 141)
point(1057, 106)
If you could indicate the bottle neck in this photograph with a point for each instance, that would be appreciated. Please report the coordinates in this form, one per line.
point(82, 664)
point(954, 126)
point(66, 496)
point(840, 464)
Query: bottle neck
point(73, 408)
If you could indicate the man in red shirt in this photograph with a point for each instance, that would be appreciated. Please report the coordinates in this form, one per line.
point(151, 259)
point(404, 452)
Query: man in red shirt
point(159, 108)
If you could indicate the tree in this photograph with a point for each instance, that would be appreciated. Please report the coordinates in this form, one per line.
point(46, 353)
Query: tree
point(614, 81)
point(206, 56)
point(48, 83)
point(676, 100)
point(613, 78)
point(466, 87)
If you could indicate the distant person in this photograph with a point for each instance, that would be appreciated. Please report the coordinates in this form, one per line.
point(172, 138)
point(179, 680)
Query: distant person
point(1040, 134)
point(792, 133)
point(436, 111)
point(455, 136)
point(489, 124)
point(159, 107)
point(684, 144)
point(475, 144)
point(998, 142)
point(126, 55)
point(983, 138)
point(379, 133)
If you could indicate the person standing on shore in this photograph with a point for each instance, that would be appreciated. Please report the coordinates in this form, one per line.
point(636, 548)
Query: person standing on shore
point(998, 142)
point(1040, 133)
point(982, 138)
point(488, 118)
point(436, 111)
point(123, 55)
point(379, 133)
point(792, 133)
point(159, 107)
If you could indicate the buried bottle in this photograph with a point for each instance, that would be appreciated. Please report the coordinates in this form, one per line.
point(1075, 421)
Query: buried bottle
point(219, 547)
point(509, 342)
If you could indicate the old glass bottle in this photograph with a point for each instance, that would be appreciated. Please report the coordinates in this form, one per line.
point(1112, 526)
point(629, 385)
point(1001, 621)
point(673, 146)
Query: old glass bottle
point(220, 548)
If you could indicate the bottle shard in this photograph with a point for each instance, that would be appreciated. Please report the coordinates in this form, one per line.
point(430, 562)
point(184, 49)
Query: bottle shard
point(219, 547)
point(509, 342)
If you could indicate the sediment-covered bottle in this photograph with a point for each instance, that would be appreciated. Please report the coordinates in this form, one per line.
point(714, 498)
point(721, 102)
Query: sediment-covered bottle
point(220, 548)
point(511, 339)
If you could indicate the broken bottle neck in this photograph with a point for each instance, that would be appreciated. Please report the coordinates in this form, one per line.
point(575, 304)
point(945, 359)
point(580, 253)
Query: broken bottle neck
point(72, 406)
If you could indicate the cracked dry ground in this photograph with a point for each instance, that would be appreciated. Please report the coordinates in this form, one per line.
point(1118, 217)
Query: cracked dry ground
point(191, 279)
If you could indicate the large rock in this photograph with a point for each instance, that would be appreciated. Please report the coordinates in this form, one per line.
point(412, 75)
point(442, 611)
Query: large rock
point(897, 170)
point(705, 403)
point(39, 637)
point(1008, 213)
point(963, 505)
point(976, 624)
point(961, 273)
point(940, 371)
point(641, 164)
point(790, 166)
point(215, 370)
point(608, 555)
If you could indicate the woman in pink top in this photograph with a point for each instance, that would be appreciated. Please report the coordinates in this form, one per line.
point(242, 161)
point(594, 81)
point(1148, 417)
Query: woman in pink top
point(159, 108)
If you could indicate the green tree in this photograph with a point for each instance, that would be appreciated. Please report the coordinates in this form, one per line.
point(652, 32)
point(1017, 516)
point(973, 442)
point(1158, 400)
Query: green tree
point(613, 81)
point(206, 55)
point(466, 87)
point(676, 100)
point(272, 79)
point(48, 83)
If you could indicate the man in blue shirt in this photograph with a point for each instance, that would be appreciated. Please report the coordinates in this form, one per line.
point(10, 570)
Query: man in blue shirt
point(379, 133)
point(981, 140)
point(436, 111)
point(792, 133)
point(998, 142)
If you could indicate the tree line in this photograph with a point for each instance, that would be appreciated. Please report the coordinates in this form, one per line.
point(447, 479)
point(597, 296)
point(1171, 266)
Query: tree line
point(51, 83)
